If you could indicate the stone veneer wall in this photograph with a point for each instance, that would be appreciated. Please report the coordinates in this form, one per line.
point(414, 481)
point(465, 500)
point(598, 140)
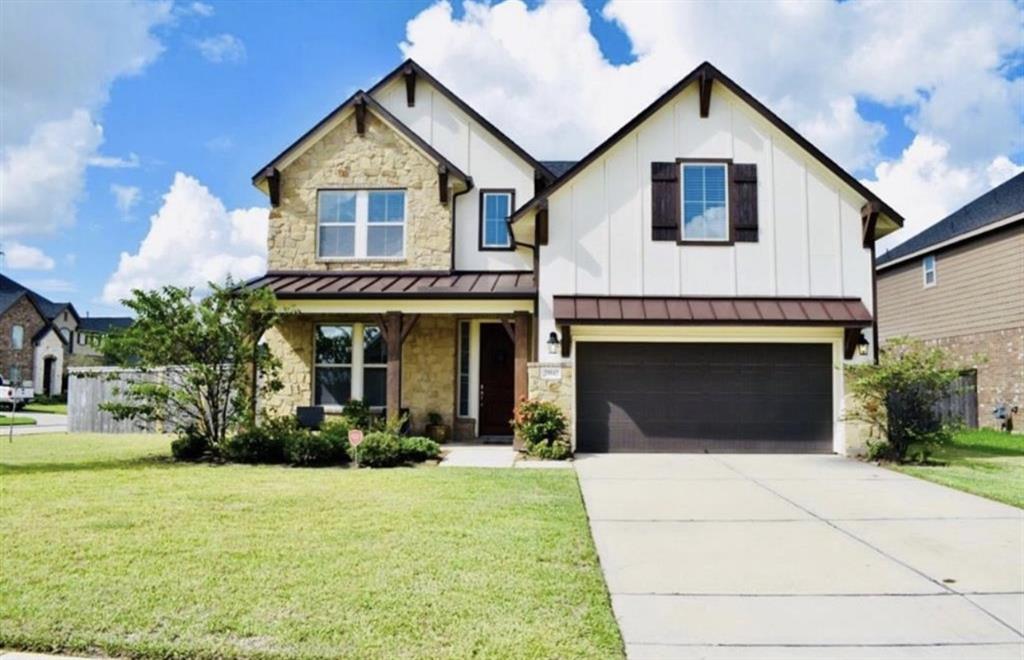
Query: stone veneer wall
point(560, 392)
point(428, 370)
point(380, 158)
point(999, 358)
point(428, 366)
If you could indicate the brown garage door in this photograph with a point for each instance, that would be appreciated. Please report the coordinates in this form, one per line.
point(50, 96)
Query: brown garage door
point(688, 397)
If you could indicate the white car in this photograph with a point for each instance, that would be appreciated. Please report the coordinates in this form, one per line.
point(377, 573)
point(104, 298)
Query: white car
point(14, 395)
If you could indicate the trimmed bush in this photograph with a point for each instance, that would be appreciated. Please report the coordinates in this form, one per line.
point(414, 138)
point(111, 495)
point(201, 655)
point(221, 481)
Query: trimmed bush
point(189, 447)
point(358, 414)
point(258, 444)
point(418, 449)
point(380, 450)
point(306, 448)
point(541, 425)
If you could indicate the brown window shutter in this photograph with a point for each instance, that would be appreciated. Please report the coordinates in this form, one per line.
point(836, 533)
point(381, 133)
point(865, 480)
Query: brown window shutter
point(664, 201)
point(743, 202)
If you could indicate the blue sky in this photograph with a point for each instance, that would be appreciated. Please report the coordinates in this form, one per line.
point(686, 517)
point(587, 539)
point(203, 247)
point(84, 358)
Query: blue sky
point(214, 90)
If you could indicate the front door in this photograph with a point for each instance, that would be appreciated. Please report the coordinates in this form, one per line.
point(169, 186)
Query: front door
point(497, 380)
point(48, 375)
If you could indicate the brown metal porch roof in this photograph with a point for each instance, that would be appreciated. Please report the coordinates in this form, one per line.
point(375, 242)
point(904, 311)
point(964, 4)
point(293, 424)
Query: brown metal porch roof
point(847, 312)
point(398, 284)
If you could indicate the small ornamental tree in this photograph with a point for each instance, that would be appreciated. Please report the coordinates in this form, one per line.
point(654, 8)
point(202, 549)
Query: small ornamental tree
point(198, 364)
point(897, 399)
point(542, 426)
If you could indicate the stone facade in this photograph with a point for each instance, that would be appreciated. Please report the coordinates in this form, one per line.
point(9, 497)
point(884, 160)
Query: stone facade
point(428, 370)
point(428, 366)
point(21, 313)
point(998, 357)
point(380, 158)
point(559, 391)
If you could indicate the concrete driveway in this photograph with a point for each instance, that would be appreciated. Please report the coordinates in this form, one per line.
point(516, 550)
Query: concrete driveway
point(741, 556)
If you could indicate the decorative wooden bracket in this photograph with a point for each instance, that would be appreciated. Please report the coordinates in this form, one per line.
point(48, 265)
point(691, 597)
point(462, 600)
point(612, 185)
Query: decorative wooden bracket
point(705, 82)
point(273, 177)
point(408, 321)
point(442, 183)
point(850, 337)
point(566, 341)
point(540, 181)
point(541, 230)
point(409, 73)
point(868, 222)
point(510, 329)
point(360, 106)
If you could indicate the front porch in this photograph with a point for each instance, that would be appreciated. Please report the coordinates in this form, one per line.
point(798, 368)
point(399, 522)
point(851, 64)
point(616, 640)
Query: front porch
point(463, 359)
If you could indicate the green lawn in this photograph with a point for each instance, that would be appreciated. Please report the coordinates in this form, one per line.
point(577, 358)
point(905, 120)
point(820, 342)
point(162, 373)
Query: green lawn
point(17, 420)
point(53, 408)
point(108, 547)
point(983, 462)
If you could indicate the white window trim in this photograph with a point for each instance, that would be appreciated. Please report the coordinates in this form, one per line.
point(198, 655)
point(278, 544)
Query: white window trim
point(483, 228)
point(925, 270)
point(355, 367)
point(682, 201)
point(362, 224)
point(20, 343)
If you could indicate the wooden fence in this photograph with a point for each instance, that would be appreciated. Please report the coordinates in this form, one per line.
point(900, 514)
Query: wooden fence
point(88, 387)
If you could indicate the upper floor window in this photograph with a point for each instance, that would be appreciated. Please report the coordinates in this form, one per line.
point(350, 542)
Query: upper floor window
point(705, 203)
point(362, 224)
point(928, 270)
point(495, 208)
point(17, 337)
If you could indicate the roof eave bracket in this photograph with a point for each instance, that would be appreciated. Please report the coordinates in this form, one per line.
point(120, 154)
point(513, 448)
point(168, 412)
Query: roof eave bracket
point(705, 81)
point(273, 177)
point(409, 74)
point(360, 108)
point(869, 221)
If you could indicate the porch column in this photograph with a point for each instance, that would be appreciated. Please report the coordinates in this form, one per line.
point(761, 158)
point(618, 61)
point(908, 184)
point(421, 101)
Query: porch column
point(522, 356)
point(393, 337)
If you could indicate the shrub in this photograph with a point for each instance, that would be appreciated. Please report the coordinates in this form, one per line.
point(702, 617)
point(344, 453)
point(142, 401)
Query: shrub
point(380, 449)
point(258, 444)
point(358, 414)
point(337, 428)
point(189, 446)
point(541, 426)
point(418, 449)
point(897, 399)
point(305, 448)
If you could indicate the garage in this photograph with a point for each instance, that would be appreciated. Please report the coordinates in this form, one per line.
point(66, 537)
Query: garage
point(704, 397)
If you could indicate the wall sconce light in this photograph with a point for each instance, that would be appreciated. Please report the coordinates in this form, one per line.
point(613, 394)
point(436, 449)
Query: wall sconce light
point(862, 345)
point(553, 343)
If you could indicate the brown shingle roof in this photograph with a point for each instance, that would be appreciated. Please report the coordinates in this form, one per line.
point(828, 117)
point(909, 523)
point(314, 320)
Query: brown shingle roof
point(849, 312)
point(399, 284)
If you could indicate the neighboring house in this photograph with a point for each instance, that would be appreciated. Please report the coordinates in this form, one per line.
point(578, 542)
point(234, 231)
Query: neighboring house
point(960, 285)
point(91, 331)
point(36, 337)
point(695, 283)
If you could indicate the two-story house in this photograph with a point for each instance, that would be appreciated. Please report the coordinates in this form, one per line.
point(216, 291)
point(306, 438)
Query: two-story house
point(960, 285)
point(695, 283)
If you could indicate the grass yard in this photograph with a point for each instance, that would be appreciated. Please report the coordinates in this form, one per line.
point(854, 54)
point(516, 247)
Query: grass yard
point(983, 462)
point(17, 420)
point(108, 547)
point(52, 408)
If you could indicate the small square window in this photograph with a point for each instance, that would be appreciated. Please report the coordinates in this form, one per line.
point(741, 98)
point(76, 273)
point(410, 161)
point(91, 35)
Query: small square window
point(928, 268)
point(705, 202)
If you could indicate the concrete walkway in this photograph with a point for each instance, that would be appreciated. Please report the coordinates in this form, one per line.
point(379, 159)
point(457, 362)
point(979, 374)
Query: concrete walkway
point(45, 423)
point(802, 557)
point(494, 456)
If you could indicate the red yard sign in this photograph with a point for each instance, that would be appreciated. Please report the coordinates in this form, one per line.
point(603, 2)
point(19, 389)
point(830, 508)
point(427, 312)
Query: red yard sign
point(355, 436)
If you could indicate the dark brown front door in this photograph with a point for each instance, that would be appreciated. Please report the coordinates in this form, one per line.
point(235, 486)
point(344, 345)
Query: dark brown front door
point(48, 375)
point(690, 397)
point(496, 380)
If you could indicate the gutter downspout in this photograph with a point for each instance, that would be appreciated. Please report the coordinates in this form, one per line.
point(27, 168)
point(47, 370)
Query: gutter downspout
point(469, 186)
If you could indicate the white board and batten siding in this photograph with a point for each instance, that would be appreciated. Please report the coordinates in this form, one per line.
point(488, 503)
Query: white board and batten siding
point(477, 153)
point(600, 222)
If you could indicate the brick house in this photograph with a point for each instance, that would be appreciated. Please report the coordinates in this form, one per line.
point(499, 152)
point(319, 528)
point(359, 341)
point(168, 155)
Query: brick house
point(960, 284)
point(697, 282)
point(36, 337)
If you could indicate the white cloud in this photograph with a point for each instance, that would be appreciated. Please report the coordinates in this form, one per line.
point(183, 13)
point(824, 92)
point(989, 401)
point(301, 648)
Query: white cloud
point(43, 179)
point(62, 64)
point(18, 256)
point(942, 66)
point(220, 143)
point(125, 197)
point(51, 286)
point(196, 9)
point(221, 48)
point(115, 162)
point(1001, 170)
point(807, 61)
point(193, 240)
